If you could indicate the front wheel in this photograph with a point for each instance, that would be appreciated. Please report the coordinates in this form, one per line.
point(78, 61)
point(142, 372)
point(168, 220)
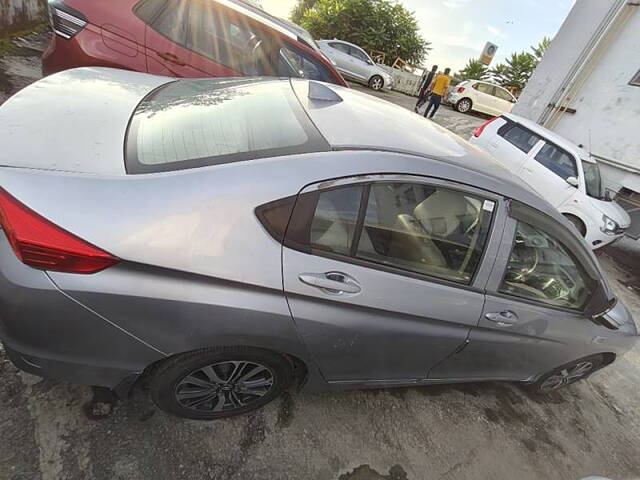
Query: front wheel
point(567, 374)
point(219, 382)
point(579, 224)
point(376, 83)
point(463, 105)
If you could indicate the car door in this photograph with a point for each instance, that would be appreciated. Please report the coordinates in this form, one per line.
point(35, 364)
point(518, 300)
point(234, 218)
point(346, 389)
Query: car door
point(483, 99)
point(165, 40)
point(540, 298)
point(384, 278)
point(361, 63)
point(512, 144)
point(342, 57)
point(504, 101)
point(548, 170)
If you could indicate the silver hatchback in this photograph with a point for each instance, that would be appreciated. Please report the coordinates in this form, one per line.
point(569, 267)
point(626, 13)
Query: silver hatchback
point(355, 64)
point(229, 239)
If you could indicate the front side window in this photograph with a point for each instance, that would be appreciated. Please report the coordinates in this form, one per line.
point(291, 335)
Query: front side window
point(503, 94)
point(359, 54)
point(542, 269)
point(340, 47)
point(412, 227)
point(520, 138)
point(593, 180)
point(294, 63)
point(558, 161)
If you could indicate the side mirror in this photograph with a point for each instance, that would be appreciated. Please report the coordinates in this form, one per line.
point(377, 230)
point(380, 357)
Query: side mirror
point(370, 62)
point(573, 181)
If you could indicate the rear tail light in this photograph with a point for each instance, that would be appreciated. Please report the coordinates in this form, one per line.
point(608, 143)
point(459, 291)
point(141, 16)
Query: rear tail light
point(480, 129)
point(65, 21)
point(40, 244)
point(460, 89)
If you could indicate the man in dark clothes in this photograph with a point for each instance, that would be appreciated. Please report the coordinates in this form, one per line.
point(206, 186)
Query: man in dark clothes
point(427, 78)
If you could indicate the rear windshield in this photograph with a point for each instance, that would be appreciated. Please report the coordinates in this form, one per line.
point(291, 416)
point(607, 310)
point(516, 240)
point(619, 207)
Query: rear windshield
point(194, 123)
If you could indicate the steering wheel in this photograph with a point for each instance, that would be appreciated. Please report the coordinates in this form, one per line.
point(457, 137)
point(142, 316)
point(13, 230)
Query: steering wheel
point(523, 262)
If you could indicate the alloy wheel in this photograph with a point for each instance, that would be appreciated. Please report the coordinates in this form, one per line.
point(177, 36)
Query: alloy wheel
point(377, 83)
point(464, 106)
point(224, 386)
point(567, 376)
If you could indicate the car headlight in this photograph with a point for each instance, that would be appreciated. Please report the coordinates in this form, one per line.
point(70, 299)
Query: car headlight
point(609, 226)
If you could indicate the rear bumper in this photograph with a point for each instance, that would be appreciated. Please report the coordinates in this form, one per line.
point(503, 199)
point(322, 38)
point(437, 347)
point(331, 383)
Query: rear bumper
point(47, 333)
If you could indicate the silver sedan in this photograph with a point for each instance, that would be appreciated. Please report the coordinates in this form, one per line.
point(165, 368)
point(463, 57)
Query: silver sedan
point(230, 239)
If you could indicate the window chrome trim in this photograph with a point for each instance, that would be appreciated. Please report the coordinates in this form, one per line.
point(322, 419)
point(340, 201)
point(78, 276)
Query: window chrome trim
point(492, 242)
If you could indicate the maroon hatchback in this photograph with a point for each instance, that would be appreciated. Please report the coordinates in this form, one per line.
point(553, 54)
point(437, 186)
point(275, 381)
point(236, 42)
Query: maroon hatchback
point(182, 38)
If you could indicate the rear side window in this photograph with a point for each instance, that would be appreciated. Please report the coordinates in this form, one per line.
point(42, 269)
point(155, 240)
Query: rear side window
point(172, 21)
point(407, 227)
point(558, 161)
point(520, 137)
point(484, 88)
point(191, 123)
point(227, 39)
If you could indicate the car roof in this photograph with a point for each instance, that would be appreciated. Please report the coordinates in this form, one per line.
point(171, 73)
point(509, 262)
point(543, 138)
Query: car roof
point(347, 119)
point(551, 136)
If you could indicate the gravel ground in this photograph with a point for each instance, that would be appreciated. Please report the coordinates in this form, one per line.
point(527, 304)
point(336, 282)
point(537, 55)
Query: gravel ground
point(483, 431)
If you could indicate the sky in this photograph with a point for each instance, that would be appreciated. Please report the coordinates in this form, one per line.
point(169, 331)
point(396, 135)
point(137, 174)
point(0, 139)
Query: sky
point(459, 29)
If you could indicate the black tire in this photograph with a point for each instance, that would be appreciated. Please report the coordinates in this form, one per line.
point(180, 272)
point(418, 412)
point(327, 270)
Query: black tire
point(579, 224)
point(463, 105)
point(376, 83)
point(169, 381)
point(561, 377)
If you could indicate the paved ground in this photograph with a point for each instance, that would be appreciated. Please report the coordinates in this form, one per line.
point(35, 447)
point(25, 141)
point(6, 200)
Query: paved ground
point(490, 431)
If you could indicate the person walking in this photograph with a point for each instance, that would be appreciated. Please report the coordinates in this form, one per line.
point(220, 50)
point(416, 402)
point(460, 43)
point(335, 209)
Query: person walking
point(438, 89)
point(427, 78)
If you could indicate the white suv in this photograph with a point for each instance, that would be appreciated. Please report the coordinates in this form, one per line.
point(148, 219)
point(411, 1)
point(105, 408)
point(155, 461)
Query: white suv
point(482, 97)
point(561, 172)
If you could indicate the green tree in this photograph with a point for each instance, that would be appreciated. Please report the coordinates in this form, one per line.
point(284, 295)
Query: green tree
point(381, 25)
point(474, 70)
point(540, 49)
point(300, 9)
point(515, 72)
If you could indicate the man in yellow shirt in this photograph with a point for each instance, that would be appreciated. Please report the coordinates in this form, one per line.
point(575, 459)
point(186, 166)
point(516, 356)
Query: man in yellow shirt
point(438, 89)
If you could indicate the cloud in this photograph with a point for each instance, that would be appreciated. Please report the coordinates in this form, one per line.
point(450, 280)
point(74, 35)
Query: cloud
point(496, 32)
point(454, 4)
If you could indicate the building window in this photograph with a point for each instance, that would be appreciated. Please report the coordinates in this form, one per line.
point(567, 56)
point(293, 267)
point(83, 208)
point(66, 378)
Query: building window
point(635, 80)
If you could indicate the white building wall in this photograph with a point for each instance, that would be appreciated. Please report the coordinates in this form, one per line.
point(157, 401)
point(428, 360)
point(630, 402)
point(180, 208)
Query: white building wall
point(607, 118)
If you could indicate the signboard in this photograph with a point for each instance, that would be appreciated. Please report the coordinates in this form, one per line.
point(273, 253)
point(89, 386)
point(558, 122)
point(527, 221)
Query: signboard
point(488, 53)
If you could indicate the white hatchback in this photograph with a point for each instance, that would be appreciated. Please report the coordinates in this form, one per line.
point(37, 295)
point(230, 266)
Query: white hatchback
point(560, 171)
point(482, 97)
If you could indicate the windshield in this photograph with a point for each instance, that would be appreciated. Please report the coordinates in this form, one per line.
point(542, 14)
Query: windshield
point(592, 180)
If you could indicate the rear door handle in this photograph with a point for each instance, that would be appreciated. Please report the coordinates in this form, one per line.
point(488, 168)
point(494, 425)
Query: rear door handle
point(335, 283)
point(506, 318)
point(170, 57)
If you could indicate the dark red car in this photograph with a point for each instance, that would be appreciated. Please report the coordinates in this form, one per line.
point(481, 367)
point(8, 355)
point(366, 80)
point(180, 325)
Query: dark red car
point(182, 38)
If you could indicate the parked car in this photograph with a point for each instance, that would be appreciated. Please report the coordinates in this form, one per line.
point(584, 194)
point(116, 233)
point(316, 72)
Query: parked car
point(182, 38)
point(230, 238)
point(564, 174)
point(481, 97)
point(355, 64)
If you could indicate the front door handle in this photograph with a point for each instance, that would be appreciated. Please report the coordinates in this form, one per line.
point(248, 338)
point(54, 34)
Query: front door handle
point(335, 283)
point(170, 57)
point(506, 318)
